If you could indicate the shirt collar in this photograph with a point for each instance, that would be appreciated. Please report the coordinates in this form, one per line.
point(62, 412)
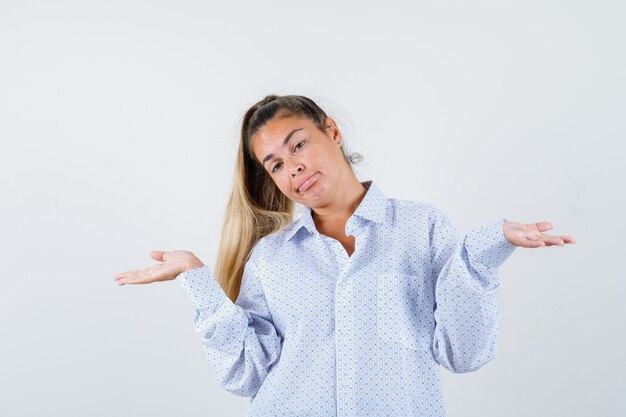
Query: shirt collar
point(373, 208)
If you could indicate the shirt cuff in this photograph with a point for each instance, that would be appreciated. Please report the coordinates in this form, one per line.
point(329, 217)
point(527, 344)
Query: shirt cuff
point(202, 289)
point(487, 245)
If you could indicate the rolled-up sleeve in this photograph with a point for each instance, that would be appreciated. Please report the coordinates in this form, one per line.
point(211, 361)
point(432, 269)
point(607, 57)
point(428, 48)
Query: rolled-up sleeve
point(465, 270)
point(239, 339)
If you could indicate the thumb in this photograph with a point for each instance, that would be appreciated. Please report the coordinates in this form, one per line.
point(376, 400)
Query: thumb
point(159, 255)
point(543, 226)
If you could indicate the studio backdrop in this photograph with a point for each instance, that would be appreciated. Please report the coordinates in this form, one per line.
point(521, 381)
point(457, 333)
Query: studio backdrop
point(119, 127)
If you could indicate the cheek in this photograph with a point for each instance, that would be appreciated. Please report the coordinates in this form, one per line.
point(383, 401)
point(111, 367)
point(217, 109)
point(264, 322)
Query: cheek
point(330, 159)
point(320, 158)
point(283, 183)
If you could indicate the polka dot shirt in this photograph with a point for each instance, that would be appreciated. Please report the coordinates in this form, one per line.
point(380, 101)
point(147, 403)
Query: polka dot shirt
point(316, 332)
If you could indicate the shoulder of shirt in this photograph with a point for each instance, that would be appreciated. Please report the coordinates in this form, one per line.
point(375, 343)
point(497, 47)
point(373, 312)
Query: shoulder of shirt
point(268, 245)
point(415, 206)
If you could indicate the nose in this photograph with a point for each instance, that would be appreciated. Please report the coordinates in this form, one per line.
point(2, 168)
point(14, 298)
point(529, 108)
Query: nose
point(295, 168)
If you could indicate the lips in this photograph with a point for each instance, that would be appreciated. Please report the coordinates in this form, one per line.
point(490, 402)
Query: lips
point(306, 183)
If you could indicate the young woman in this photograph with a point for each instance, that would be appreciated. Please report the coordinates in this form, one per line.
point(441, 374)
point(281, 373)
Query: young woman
point(350, 309)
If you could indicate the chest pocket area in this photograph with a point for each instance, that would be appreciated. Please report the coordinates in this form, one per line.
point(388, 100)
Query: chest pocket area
point(399, 313)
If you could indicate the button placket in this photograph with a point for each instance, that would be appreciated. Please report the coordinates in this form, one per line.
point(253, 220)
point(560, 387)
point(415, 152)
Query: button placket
point(343, 325)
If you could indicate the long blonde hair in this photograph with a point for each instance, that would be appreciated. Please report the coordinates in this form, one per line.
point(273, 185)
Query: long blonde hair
point(257, 207)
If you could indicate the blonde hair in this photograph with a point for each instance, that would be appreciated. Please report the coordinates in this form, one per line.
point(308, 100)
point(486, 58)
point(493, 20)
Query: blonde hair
point(257, 207)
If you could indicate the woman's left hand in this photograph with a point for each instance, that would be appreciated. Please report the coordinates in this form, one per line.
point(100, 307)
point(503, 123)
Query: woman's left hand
point(531, 236)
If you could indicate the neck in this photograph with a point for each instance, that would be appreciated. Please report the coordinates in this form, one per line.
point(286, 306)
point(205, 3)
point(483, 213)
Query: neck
point(336, 214)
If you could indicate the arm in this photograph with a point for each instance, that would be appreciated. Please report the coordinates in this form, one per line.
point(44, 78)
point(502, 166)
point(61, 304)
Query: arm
point(239, 339)
point(466, 297)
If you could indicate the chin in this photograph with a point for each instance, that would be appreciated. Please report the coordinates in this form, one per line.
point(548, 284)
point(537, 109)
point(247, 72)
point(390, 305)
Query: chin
point(315, 198)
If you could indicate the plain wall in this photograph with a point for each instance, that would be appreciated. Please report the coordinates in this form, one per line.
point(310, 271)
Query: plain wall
point(118, 131)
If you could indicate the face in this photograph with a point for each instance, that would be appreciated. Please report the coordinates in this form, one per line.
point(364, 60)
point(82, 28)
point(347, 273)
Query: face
point(306, 164)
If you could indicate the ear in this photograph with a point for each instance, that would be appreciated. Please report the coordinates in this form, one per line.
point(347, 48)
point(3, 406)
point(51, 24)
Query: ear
point(333, 130)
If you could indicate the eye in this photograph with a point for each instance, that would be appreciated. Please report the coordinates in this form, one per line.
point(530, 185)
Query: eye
point(295, 148)
point(274, 168)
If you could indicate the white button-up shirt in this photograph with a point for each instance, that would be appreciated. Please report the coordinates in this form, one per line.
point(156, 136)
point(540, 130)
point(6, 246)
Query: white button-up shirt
point(315, 332)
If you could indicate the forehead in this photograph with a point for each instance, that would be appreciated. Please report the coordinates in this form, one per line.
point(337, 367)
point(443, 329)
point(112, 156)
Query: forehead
point(270, 137)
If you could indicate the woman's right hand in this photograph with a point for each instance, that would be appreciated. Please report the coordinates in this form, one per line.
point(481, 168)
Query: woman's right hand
point(173, 264)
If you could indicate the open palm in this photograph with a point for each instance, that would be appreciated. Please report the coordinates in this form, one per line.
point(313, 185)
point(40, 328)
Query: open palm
point(532, 236)
point(173, 264)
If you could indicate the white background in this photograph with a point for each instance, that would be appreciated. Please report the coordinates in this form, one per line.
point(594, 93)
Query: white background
point(118, 131)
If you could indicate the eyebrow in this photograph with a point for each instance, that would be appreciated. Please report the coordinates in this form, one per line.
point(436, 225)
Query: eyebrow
point(285, 141)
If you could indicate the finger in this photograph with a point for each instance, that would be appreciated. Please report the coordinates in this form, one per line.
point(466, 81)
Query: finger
point(120, 278)
point(553, 240)
point(568, 239)
point(122, 275)
point(563, 239)
point(139, 276)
